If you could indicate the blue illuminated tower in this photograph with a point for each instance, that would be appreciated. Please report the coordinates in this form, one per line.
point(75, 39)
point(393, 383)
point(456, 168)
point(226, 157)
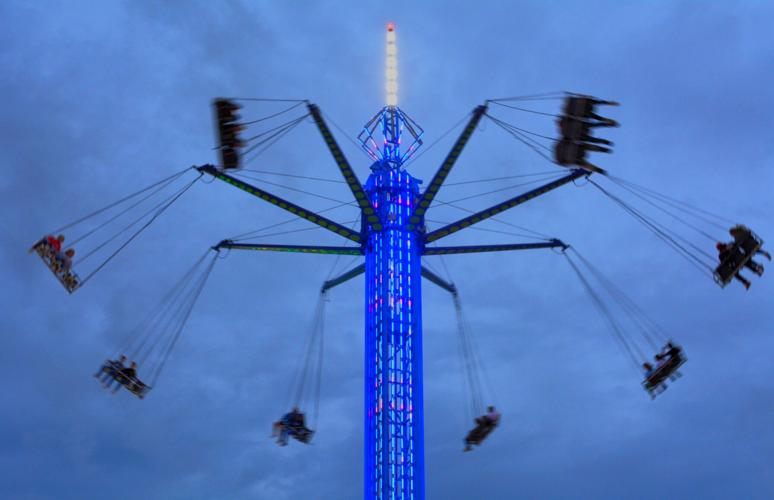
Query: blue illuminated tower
point(394, 420)
point(394, 457)
point(393, 240)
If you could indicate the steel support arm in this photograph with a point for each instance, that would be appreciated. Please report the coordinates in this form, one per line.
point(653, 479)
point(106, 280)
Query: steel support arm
point(289, 248)
point(493, 248)
point(369, 214)
point(282, 203)
point(434, 278)
point(445, 168)
point(352, 273)
point(502, 207)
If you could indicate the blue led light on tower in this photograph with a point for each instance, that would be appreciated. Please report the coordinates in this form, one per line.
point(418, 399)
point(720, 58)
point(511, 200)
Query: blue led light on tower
point(393, 357)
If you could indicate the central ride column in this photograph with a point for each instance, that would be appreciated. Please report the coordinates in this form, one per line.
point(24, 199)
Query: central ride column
point(394, 419)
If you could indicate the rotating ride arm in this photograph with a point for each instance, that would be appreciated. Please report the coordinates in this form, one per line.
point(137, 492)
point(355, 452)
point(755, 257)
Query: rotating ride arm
point(282, 203)
point(352, 273)
point(502, 207)
point(434, 278)
point(445, 168)
point(494, 248)
point(369, 214)
point(267, 247)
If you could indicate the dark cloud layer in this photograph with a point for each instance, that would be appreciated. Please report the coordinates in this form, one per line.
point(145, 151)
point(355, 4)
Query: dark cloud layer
point(100, 99)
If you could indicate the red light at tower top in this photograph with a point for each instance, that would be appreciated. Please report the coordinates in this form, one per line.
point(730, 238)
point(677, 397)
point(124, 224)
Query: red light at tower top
point(390, 26)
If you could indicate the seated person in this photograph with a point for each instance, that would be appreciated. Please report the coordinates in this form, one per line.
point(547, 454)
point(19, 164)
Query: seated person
point(668, 360)
point(50, 242)
point(56, 243)
point(126, 376)
point(653, 380)
point(672, 350)
point(42, 245)
point(294, 418)
point(279, 431)
point(484, 425)
point(294, 423)
point(49, 246)
point(69, 278)
point(741, 233)
point(578, 130)
point(108, 371)
point(574, 153)
point(663, 364)
point(64, 261)
point(492, 416)
point(131, 372)
point(298, 418)
point(55, 246)
point(473, 437)
point(725, 252)
point(583, 107)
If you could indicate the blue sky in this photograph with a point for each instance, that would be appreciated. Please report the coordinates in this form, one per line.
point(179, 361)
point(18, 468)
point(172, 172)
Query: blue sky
point(101, 99)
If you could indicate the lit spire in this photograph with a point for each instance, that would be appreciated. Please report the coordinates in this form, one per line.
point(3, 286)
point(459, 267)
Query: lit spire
point(391, 73)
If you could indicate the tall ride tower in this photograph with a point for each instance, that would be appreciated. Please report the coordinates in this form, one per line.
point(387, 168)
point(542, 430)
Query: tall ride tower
point(394, 423)
point(394, 240)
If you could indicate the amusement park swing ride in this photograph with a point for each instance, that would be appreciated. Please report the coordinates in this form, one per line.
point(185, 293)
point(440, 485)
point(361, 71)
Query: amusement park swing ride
point(393, 238)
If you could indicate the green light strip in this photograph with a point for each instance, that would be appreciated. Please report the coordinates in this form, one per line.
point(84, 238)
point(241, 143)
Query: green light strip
point(445, 168)
point(284, 204)
point(490, 248)
point(294, 248)
point(346, 170)
point(501, 207)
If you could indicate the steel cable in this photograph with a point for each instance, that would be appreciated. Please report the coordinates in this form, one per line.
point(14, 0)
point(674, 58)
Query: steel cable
point(133, 236)
point(605, 312)
point(126, 198)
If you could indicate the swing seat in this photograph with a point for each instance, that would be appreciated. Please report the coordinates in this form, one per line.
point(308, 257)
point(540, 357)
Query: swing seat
point(663, 372)
point(740, 254)
point(137, 387)
point(479, 433)
point(751, 244)
point(300, 433)
point(110, 368)
point(68, 279)
point(132, 384)
point(296, 428)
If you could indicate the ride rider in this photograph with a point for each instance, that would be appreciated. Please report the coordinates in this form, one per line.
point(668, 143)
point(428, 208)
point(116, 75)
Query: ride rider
point(725, 251)
point(109, 369)
point(740, 233)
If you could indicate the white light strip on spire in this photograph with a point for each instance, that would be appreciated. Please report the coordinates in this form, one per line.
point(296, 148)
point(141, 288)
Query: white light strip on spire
point(391, 73)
